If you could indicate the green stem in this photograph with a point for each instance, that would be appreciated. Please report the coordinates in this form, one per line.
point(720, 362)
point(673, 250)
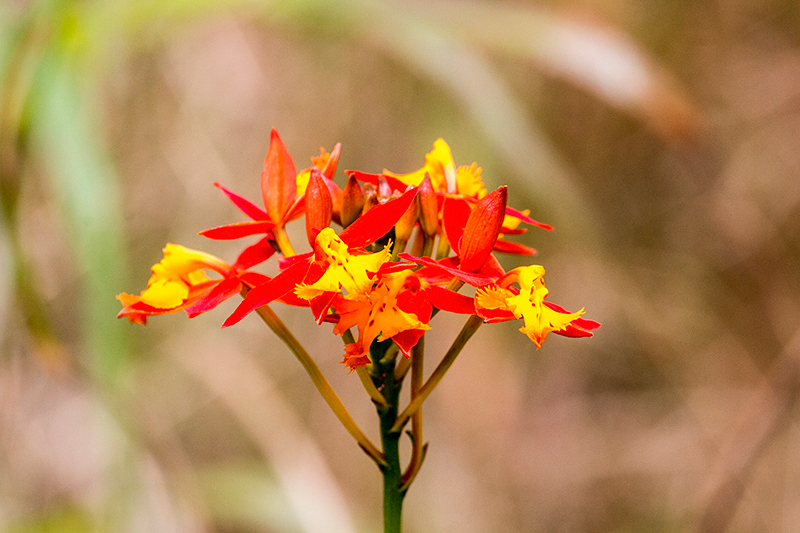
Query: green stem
point(417, 452)
point(279, 328)
point(469, 329)
point(393, 490)
point(374, 394)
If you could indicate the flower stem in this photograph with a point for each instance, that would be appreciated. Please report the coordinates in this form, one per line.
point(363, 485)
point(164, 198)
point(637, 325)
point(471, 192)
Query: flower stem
point(283, 242)
point(279, 328)
point(469, 329)
point(417, 451)
point(393, 489)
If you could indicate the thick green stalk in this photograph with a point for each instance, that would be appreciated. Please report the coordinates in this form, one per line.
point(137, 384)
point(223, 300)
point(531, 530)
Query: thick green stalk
point(393, 489)
point(417, 452)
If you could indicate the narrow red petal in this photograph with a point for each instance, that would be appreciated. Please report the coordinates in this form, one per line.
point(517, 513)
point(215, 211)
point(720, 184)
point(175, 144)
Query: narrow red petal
point(455, 213)
point(254, 254)
point(377, 222)
point(582, 323)
point(516, 231)
point(405, 340)
point(525, 218)
point(321, 304)
point(286, 262)
point(224, 290)
point(238, 230)
point(450, 301)
point(474, 279)
point(253, 279)
point(394, 183)
point(508, 247)
point(245, 206)
point(573, 331)
point(492, 268)
point(269, 291)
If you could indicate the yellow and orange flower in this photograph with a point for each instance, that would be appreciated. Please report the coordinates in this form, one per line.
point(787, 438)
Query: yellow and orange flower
point(178, 282)
point(395, 308)
point(503, 301)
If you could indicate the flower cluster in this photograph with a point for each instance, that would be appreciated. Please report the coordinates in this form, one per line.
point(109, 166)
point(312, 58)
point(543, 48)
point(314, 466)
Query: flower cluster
point(408, 243)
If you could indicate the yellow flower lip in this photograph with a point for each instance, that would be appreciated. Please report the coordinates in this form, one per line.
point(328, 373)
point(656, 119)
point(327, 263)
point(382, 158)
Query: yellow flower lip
point(502, 302)
point(344, 270)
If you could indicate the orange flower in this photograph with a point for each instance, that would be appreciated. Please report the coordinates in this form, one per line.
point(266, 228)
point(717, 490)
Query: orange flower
point(395, 308)
point(178, 282)
point(502, 301)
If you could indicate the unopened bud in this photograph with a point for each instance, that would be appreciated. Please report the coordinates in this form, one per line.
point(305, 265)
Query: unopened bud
point(352, 202)
point(481, 231)
point(428, 208)
point(319, 206)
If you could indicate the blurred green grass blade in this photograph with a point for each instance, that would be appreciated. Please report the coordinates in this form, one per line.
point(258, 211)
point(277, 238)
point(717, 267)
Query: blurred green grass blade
point(62, 520)
point(246, 496)
point(63, 127)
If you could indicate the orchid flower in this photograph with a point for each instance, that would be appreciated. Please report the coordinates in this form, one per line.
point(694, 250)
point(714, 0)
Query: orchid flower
point(502, 301)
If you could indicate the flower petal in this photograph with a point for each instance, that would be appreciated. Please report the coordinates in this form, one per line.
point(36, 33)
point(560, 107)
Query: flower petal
point(269, 291)
point(237, 230)
point(450, 301)
point(211, 299)
point(525, 218)
point(507, 247)
point(473, 278)
point(455, 213)
point(245, 206)
point(254, 254)
point(278, 179)
point(394, 183)
point(377, 222)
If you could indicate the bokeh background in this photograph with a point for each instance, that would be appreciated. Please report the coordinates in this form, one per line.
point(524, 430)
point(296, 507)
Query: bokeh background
point(661, 139)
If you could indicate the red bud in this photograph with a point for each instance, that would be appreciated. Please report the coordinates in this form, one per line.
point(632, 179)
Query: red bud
point(481, 231)
point(428, 208)
point(319, 206)
point(352, 202)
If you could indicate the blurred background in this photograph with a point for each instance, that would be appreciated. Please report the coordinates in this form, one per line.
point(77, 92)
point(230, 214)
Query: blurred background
point(659, 138)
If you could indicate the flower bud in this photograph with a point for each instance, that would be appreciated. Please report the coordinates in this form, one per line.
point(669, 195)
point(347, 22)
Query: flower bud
point(405, 226)
point(352, 202)
point(481, 230)
point(428, 207)
point(319, 206)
